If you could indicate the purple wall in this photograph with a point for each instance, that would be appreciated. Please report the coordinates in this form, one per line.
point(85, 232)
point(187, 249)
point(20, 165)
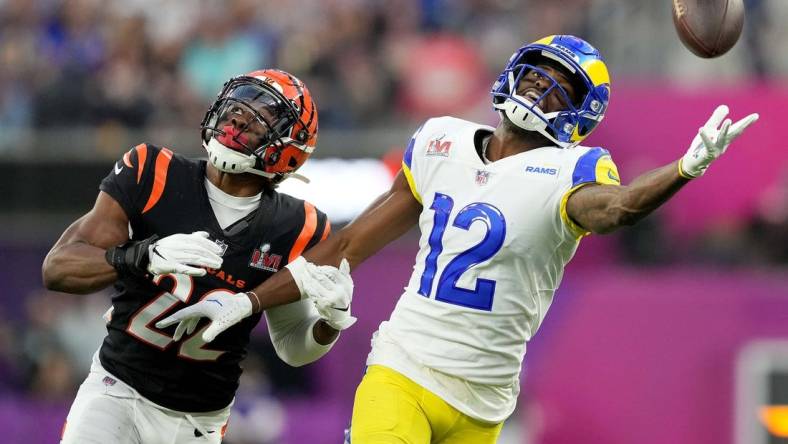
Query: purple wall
point(648, 356)
point(625, 355)
point(646, 127)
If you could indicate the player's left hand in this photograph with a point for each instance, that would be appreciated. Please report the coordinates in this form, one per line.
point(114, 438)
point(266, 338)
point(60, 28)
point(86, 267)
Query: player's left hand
point(224, 311)
point(331, 290)
point(711, 141)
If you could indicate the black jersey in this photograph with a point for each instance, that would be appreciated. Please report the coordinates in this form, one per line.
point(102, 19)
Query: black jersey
point(163, 193)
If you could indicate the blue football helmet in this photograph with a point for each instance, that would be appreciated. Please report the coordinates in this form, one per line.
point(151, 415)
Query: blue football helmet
point(586, 70)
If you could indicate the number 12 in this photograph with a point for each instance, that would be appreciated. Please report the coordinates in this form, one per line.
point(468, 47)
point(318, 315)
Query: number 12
point(481, 297)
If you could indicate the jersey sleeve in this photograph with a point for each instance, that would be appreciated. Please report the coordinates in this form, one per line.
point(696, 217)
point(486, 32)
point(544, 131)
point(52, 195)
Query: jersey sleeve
point(315, 228)
point(290, 327)
point(594, 166)
point(409, 169)
point(138, 178)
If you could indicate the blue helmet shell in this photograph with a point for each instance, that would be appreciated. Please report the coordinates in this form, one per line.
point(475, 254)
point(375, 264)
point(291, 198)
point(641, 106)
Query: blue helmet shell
point(586, 68)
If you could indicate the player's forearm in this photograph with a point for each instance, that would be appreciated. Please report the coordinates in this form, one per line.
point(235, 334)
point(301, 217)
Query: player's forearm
point(279, 289)
point(645, 194)
point(387, 218)
point(77, 268)
point(282, 289)
point(604, 208)
point(356, 242)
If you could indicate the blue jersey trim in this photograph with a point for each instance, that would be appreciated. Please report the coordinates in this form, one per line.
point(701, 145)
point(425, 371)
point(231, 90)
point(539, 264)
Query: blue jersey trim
point(585, 168)
point(408, 157)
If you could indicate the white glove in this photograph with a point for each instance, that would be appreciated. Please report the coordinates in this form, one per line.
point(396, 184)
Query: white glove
point(175, 254)
point(711, 141)
point(224, 310)
point(331, 290)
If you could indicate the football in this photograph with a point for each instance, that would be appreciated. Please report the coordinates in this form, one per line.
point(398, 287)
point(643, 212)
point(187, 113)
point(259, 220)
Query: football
point(708, 28)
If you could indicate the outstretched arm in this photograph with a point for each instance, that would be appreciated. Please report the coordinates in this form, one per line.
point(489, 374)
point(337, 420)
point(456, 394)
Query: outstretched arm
point(330, 287)
point(604, 208)
point(387, 218)
point(94, 251)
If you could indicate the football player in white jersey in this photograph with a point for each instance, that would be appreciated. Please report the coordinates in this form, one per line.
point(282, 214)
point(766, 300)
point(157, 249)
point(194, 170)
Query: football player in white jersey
point(501, 211)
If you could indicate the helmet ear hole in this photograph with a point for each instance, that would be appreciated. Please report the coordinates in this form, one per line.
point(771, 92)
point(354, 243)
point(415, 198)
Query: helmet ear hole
point(301, 135)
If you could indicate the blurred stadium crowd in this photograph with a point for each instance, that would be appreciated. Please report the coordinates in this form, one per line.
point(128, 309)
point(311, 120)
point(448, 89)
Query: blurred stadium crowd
point(116, 65)
point(145, 63)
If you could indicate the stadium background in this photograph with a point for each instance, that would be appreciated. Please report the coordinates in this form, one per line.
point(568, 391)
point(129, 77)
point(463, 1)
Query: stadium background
point(649, 340)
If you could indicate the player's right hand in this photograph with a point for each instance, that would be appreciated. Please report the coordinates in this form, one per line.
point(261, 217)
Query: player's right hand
point(331, 290)
point(711, 142)
point(184, 254)
point(224, 311)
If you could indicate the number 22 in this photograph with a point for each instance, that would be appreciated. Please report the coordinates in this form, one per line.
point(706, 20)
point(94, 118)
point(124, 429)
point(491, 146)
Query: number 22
point(194, 347)
point(481, 297)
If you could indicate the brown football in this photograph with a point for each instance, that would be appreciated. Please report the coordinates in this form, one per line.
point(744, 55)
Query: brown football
point(709, 28)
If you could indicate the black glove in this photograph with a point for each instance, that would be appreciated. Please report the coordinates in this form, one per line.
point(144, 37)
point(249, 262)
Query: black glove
point(131, 258)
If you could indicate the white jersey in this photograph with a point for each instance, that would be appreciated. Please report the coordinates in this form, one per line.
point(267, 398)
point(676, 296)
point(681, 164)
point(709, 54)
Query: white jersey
point(494, 242)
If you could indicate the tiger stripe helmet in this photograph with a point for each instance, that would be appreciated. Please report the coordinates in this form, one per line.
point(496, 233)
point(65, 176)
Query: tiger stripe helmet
point(279, 130)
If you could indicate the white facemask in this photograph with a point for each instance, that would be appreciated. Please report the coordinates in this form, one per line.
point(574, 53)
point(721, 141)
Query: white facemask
point(235, 162)
point(230, 160)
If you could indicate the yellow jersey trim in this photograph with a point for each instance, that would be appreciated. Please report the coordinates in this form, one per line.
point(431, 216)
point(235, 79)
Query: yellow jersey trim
point(411, 182)
point(606, 171)
point(578, 231)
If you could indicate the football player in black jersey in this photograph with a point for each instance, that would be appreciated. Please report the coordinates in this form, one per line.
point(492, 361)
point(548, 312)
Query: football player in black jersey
point(168, 232)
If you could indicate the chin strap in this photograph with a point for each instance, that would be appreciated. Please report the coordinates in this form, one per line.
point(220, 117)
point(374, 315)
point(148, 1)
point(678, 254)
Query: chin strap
point(300, 177)
point(274, 176)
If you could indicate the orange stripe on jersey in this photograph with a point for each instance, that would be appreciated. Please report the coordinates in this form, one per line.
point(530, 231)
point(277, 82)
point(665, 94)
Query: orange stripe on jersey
point(326, 231)
point(160, 178)
point(310, 225)
point(142, 153)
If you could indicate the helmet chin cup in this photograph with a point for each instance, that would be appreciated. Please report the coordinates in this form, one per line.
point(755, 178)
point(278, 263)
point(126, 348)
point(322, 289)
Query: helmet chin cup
point(231, 161)
point(234, 162)
point(529, 118)
point(525, 118)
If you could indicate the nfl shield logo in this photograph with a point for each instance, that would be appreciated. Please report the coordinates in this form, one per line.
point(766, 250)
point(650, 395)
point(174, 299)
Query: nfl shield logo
point(223, 245)
point(482, 177)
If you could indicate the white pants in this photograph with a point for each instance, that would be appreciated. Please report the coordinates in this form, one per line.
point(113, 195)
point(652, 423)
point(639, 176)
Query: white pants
point(108, 411)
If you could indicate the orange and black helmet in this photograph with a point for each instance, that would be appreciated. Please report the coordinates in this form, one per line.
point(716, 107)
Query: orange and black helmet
point(263, 123)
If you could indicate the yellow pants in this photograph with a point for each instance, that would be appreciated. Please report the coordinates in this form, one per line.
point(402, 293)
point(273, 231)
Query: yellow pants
point(391, 409)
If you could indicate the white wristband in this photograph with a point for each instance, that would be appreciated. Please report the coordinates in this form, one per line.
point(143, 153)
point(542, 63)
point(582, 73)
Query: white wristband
point(298, 270)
